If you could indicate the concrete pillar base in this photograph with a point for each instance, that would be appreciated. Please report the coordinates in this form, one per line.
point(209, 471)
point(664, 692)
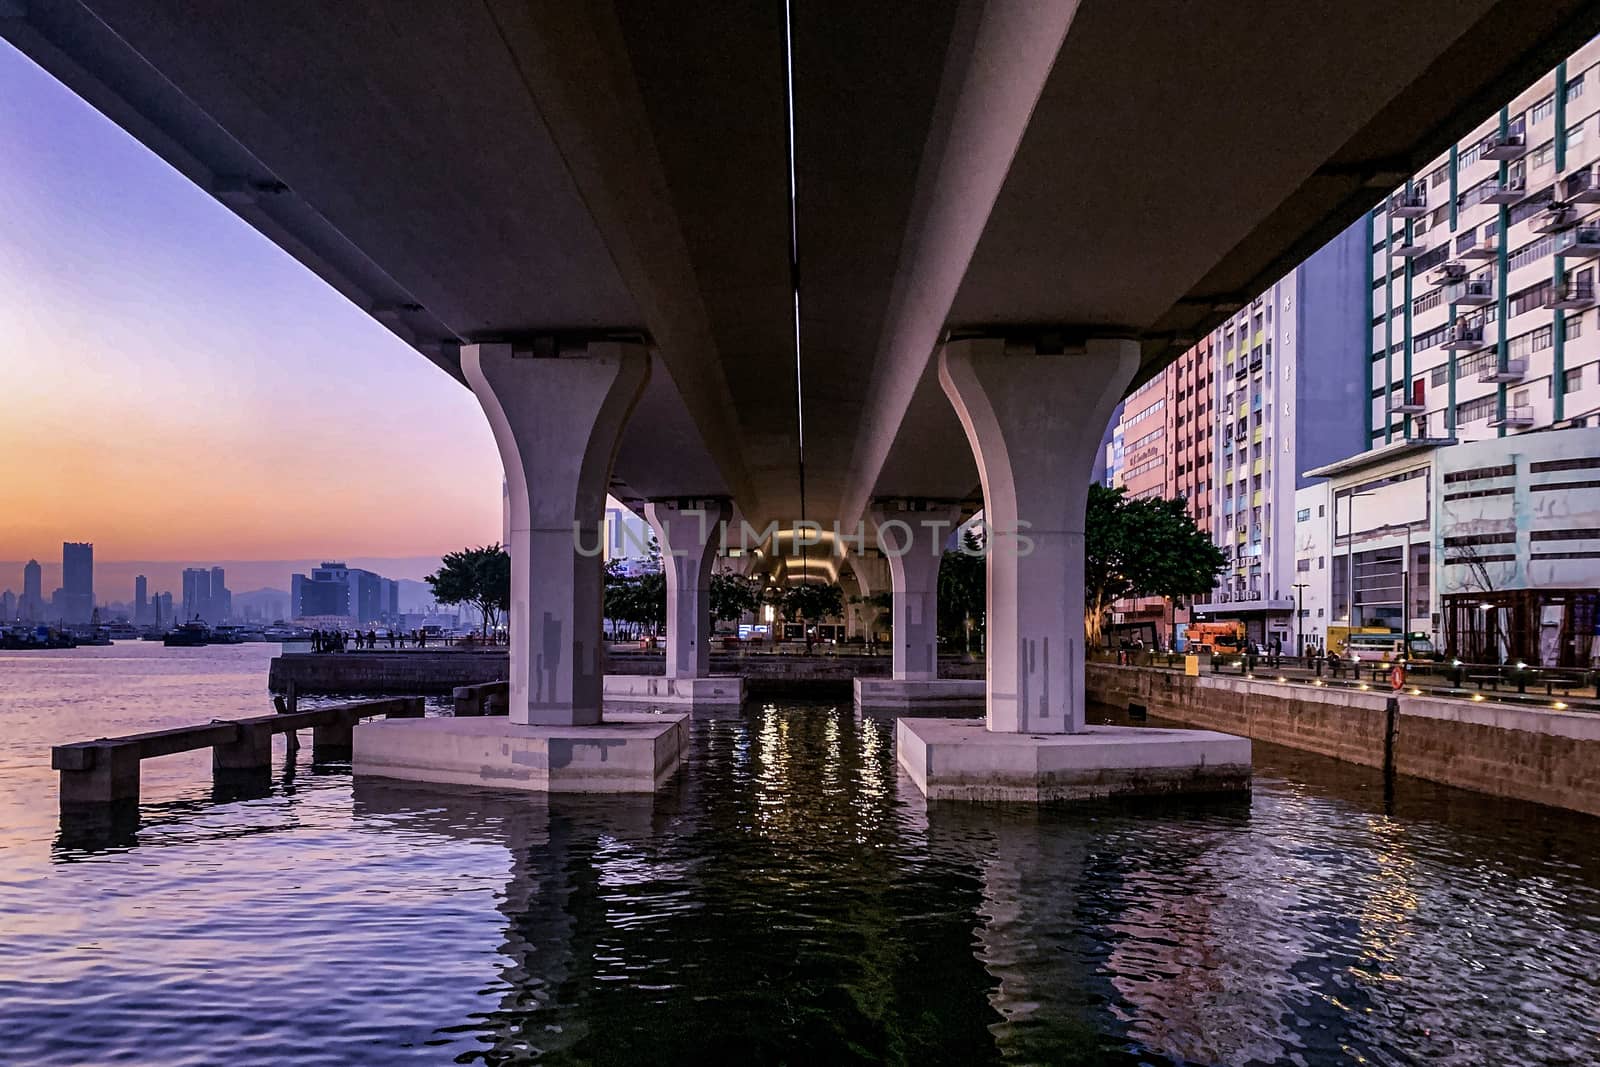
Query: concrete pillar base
point(631, 752)
point(106, 774)
point(723, 690)
point(891, 694)
point(251, 751)
point(957, 759)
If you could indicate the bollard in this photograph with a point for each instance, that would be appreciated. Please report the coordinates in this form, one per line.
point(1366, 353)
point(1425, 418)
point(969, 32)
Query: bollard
point(1391, 726)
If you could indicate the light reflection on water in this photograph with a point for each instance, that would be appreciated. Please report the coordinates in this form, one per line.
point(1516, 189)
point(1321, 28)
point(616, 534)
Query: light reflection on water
point(788, 897)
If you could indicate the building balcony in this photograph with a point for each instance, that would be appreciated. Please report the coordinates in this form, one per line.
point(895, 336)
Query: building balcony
point(1409, 205)
point(1513, 371)
point(1517, 418)
point(1464, 337)
point(1469, 246)
point(1571, 295)
point(1510, 191)
point(1474, 292)
point(1580, 242)
point(1555, 218)
point(1581, 187)
point(1408, 407)
point(1407, 249)
point(1513, 144)
point(1448, 272)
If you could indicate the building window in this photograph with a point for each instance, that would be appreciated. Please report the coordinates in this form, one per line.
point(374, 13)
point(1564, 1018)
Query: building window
point(1574, 136)
point(1301, 516)
point(1302, 565)
point(1574, 379)
point(1574, 87)
point(1472, 410)
point(1544, 108)
point(1320, 561)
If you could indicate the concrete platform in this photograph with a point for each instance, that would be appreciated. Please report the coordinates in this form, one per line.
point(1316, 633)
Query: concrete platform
point(957, 759)
point(713, 691)
point(886, 694)
point(631, 752)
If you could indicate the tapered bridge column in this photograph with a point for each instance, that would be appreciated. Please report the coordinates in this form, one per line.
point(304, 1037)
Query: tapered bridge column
point(690, 535)
point(1034, 421)
point(557, 415)
point(912, 536)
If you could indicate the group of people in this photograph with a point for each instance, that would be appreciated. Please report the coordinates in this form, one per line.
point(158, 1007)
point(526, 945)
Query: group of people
point(338, 640)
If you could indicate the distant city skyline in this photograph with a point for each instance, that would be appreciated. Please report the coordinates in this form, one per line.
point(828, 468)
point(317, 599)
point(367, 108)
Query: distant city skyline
point(178, 389)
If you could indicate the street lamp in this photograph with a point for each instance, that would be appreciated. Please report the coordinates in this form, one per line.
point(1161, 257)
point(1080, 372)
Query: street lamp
point(1299, 619)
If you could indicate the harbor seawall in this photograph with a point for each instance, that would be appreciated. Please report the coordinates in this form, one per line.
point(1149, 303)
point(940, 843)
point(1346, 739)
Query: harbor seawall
point(424, 673)
point(1544, 756)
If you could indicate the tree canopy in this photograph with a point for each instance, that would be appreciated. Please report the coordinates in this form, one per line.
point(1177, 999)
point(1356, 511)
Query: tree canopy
point(480, 577)
point(963, 591)
point(638, 602)
point(1140, 548)
point(732, 595)
point(812, 601)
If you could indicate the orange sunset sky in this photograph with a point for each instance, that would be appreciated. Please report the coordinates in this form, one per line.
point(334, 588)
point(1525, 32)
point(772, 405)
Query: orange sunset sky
point(174, 387)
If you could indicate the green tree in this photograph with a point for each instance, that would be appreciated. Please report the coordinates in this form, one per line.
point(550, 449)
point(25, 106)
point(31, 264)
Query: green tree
point(480, 577)
point(732, 595)
point(811, 601)
point(963, 590)
point(1138, 548)
point(637, 601)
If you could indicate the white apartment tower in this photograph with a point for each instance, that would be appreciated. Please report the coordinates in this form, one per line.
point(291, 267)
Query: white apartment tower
point(1484, 270)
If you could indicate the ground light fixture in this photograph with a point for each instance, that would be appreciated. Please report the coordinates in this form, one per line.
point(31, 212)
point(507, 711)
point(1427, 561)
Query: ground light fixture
point(1560, 705)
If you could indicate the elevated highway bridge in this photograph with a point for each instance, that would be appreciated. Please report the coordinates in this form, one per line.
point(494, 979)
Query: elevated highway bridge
point(817, 261)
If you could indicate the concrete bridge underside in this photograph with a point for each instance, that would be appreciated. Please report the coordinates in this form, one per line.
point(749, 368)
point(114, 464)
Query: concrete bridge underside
point(1004, 216)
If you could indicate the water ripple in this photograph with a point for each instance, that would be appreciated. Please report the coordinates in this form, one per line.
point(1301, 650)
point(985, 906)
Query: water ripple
point(788, 897)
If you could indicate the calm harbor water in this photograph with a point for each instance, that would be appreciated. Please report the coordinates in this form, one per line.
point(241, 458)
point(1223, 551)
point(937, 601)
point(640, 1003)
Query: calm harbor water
point(789, 899)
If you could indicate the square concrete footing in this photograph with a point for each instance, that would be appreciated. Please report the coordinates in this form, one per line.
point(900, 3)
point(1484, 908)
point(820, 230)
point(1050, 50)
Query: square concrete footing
point(889, 694)
point(630, 752)
point(958, 759)
point(722, 690)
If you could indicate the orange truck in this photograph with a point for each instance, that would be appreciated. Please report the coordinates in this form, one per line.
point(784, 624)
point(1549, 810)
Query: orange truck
point(1214, 636)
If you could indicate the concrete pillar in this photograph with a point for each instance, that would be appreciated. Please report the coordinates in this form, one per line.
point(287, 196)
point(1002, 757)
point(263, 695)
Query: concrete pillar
point(557, 414)
point(97, 775)
point(1034, 421)
point(251, 749)
point(333, 740)
point(690, 535)
point(912, 538)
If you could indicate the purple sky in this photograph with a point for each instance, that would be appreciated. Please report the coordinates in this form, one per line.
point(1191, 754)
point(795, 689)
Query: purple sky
point(177, 388)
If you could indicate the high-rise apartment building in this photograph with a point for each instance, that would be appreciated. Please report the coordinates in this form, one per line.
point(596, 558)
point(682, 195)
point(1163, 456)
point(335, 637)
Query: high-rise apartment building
point(1470, 518)
point(1484, 270)
point(1289, 373)
point(342, 595)
point(30, 608)
point(205, 596)
point(141, 599)
point(196, 594)
point(75, 601)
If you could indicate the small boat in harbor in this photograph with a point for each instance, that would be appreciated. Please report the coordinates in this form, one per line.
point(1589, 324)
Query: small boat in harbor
point(189, 635)
point(22, 638)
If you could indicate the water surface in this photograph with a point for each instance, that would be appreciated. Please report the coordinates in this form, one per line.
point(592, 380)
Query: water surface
point(790, 898)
